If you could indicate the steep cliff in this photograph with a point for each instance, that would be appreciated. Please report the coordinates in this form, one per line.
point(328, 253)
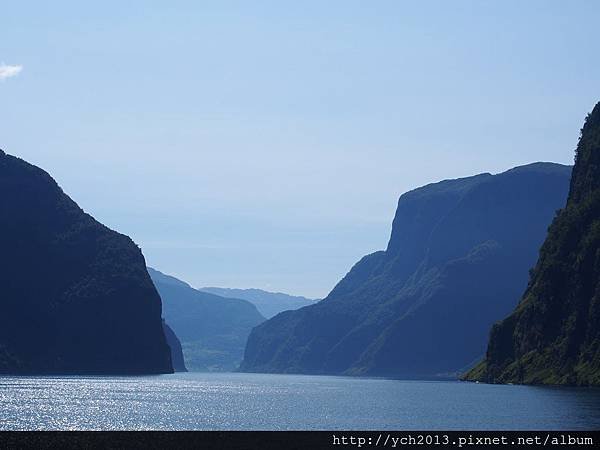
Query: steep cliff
point(457, 260)
point(553, 336)
point(75, 296)
point(176, 350)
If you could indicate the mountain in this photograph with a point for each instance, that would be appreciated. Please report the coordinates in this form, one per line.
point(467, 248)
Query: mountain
point(176, 350)
point(75, 296)
point(269, 304)
point(553, 336)
point(457, 260)
point(212, 329)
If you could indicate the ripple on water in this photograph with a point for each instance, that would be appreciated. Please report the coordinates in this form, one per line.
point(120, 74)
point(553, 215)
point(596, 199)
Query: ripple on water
point(203, 401)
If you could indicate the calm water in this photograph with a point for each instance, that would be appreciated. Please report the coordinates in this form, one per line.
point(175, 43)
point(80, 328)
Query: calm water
point(199, 401)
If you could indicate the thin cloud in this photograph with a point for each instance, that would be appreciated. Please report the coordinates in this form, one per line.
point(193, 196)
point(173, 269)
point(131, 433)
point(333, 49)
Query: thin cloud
point(7, 71)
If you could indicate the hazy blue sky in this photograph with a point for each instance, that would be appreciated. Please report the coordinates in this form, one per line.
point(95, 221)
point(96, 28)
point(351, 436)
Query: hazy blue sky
point(265, 144)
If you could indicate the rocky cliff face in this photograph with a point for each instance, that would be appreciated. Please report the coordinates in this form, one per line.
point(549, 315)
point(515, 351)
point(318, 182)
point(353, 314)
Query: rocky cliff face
point(457, 260)
point(553, 336)
point(176, 350)
point(75, 296)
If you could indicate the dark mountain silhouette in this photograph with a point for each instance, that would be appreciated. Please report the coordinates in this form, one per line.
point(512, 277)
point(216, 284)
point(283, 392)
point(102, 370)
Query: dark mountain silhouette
point(212, 329)
point(457, 260)
point(553, 336)
point(176, 350)
point(75, 296)
point(269, 304)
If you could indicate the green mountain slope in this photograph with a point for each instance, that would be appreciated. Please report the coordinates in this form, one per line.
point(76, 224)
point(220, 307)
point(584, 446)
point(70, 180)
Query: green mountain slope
point(553, 336)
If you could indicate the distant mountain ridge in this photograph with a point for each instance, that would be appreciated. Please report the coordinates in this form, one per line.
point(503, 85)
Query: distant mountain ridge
point(553, 336)
point(212, 329)
point(457, 260)
point(75, 297)
point(269, 304)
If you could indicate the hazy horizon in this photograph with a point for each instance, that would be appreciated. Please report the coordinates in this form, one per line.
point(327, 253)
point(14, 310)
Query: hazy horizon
point(265, 145)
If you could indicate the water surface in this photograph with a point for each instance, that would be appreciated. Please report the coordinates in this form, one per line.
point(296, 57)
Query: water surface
point(231, 401)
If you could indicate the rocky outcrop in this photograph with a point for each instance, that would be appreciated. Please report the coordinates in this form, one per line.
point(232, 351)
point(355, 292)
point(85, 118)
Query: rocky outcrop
point(176, 352)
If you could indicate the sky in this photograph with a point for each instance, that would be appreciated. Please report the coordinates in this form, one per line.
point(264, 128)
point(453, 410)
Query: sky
point(265, 144)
